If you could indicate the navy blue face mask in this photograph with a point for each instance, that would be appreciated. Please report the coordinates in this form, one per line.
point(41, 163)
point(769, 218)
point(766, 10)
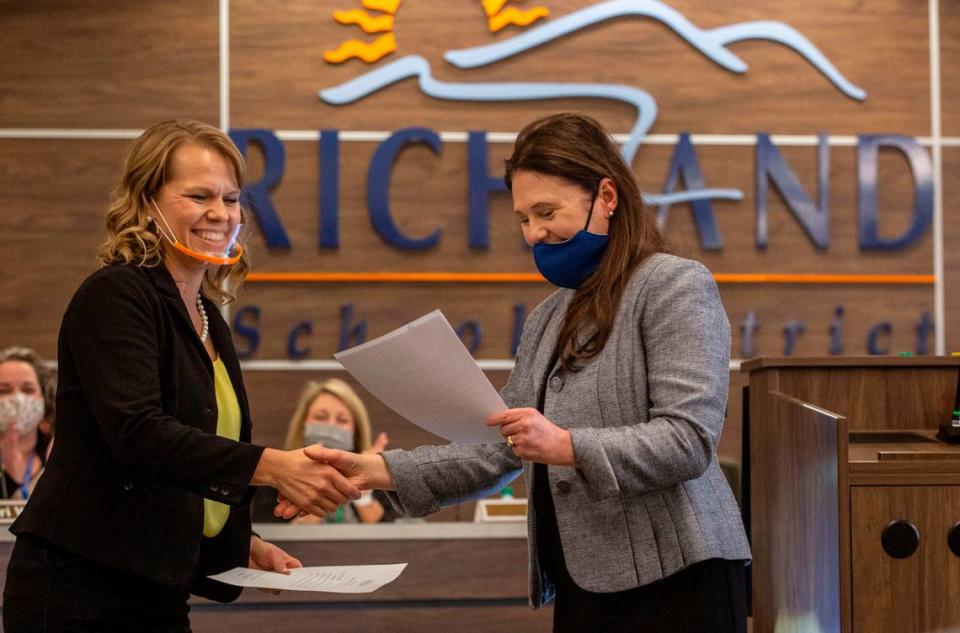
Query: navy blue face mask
point(570, 263)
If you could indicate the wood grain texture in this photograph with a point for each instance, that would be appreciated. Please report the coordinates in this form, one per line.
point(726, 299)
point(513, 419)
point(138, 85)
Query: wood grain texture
point(481, 583)
point(277, 49)
point(949, 67)
point(102, 64)
point(55, 195)
point(911, 594)
point(428, 193)
point(798, 496)
point(888, 398)
point(951, 241)
point(848, 362)
point(431, 617)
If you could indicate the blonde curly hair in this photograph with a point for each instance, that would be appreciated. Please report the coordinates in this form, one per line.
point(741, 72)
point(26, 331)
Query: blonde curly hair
point(131, 234)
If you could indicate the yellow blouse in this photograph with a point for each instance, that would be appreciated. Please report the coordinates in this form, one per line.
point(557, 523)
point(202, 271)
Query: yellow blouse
point(228, 425)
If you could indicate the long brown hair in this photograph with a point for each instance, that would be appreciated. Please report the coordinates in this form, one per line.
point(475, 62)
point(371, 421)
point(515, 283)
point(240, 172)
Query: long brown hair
point(578, 149)
point(131, 235)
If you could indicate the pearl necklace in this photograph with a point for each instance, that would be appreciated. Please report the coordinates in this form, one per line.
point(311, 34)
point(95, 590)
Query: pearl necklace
point(205, 329)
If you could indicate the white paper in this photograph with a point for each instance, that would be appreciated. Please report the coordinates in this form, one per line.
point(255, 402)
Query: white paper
point(342, 579)
point(423, 372)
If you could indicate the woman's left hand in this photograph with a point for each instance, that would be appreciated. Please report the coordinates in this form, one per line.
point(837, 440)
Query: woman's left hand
point(268, 557)
point(533, 437)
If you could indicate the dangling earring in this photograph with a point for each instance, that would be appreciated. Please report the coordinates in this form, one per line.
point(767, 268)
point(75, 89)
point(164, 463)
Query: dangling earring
point(609, 214)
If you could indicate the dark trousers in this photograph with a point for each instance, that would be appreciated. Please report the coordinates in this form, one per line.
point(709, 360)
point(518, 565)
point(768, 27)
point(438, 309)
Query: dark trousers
point(706, 597)
point(49, 590)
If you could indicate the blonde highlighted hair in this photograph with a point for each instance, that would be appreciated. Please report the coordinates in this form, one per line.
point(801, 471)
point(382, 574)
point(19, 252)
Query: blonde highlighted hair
point(132, 237)
point(346, 394)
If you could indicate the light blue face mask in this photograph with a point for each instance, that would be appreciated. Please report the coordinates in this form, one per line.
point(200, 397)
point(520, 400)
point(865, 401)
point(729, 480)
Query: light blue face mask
point(329, 435)
point(570, 263)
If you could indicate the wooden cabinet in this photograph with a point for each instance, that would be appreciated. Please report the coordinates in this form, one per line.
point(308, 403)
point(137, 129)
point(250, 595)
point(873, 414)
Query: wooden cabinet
point(916, 593)
point(839, 448)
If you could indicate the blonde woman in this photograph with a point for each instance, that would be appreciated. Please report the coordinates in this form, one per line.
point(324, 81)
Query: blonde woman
point(147, 489)
point(331, 413)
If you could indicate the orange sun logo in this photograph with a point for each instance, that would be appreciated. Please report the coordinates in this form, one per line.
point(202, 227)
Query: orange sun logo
point(498, 17)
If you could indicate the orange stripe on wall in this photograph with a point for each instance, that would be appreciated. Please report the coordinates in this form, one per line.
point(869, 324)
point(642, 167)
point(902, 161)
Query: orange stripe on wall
point(723, 278)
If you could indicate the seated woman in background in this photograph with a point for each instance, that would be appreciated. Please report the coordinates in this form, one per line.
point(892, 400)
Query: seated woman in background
point(331, 413)
point(27, 399)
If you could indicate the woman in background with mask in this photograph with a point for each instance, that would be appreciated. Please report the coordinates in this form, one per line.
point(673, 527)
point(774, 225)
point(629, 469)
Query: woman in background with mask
point(616, 400)
point(331, 413)
point(27, 400)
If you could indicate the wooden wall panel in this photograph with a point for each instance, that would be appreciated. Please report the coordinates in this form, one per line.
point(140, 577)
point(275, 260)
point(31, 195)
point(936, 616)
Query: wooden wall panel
point(108, 64)
point(788, 248)
point(951, 245)
point(93, 65)
point(429, 192)
point(949, 67)
point(61, 187)
point(385, 307)
point(815, 305)
point(55, 194)
point(277, 58)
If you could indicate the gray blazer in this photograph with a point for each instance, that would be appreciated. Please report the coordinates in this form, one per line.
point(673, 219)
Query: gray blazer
point(647, 497)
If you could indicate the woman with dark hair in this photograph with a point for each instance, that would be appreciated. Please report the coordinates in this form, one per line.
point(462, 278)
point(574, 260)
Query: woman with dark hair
point(617, 403)
point(27, 400)
point(147, 490)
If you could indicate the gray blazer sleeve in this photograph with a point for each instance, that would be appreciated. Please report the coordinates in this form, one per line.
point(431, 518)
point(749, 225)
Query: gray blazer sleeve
point(685, 338)
point(430, 477)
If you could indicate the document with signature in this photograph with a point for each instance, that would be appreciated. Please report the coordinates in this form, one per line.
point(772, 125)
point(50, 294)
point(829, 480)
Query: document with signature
point(423, 372)
point(342, 579)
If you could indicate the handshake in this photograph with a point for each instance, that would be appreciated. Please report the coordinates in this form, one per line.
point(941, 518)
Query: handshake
point(317, 480)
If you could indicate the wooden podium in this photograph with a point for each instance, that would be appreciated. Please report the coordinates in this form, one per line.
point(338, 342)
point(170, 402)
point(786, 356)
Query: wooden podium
point(853, 503)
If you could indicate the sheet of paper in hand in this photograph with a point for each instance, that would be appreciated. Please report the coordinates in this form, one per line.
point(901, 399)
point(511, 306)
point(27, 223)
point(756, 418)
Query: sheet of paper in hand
point(334, 579)
point(423, 372)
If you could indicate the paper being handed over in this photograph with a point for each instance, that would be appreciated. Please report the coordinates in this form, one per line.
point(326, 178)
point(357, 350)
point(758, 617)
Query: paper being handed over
point(423, 372)
point(342, 579)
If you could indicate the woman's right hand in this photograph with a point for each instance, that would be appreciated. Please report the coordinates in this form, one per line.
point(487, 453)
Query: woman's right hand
point(314, 486)
point(367, 472)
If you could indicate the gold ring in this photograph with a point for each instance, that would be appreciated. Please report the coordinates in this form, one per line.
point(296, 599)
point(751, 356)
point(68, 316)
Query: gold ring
point(510, 441)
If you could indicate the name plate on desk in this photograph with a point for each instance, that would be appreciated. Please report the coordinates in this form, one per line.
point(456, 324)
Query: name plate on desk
point(10, 509)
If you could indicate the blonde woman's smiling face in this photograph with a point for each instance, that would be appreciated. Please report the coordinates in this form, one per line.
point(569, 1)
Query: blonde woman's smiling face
point(201, 199)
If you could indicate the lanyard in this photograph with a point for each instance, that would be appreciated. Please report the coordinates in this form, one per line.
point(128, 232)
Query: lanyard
point(27, 475)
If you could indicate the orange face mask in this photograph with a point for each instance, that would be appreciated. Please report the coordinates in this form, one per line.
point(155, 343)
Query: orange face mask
point(229, 255)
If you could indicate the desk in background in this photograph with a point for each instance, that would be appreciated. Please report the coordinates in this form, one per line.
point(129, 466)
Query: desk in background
point(461, 577)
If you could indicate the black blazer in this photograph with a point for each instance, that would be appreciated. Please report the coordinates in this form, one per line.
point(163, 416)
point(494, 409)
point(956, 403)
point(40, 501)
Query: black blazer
point(136, 448)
